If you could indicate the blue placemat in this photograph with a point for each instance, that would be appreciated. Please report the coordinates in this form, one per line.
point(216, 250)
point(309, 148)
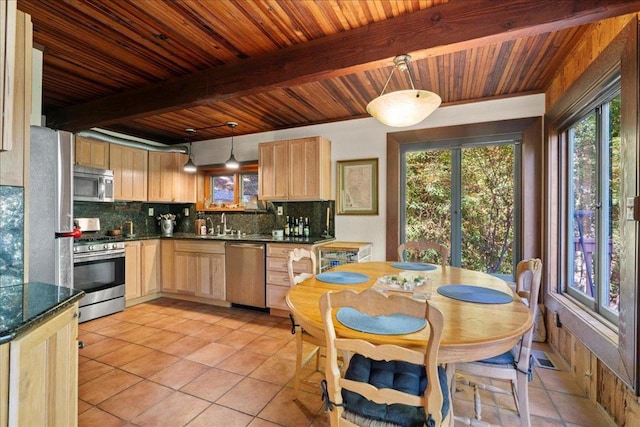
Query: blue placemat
point(396, 324)
point(413, 266)
point(342, 277)
point(479, 294)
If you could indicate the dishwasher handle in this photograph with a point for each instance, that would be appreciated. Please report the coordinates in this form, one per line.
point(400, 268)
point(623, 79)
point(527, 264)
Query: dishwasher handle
point(245, 245)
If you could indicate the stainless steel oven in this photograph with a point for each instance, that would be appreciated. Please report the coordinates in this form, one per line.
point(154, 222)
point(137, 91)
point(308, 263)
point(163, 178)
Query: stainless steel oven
point(99, 270)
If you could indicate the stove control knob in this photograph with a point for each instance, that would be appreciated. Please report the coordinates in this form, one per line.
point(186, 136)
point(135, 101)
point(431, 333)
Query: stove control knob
point(75, 250)
point(114, 246)
point(90, 247)
point(105, 246)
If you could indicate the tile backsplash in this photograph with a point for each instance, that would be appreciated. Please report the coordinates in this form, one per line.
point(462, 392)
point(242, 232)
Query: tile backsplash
point(11, 235)
point(114, 215)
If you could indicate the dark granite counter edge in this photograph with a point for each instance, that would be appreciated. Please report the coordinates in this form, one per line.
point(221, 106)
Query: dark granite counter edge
point(27, 325)
point(266, 238)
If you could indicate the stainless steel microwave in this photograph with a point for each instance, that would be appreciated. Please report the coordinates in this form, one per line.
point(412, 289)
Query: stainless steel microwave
point(92, 185)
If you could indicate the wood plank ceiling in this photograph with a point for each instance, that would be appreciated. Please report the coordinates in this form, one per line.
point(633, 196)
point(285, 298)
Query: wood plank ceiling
point(154, 68)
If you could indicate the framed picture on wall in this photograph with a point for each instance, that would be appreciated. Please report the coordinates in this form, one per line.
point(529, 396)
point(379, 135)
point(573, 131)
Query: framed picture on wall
point(357, 187)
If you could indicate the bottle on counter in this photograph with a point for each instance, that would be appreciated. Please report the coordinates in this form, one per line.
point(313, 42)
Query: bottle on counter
point(286, 227)
point(295, 227)
point(301, 228)
point(306, 227)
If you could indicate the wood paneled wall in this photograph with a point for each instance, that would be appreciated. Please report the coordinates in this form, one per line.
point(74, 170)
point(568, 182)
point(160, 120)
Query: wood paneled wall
point(600, 384)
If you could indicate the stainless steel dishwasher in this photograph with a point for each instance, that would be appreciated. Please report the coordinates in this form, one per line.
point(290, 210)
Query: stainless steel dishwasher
point(245, 272)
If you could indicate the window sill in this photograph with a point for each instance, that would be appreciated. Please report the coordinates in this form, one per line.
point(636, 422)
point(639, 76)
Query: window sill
point(592, 331)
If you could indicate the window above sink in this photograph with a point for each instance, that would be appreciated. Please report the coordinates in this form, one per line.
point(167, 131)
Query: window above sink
point(224, 190)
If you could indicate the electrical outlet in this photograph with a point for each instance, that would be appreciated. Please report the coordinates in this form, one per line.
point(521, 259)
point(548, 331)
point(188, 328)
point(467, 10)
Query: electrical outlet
point(279, 210)
point(186, 212)
point(150, 212)
point(556, 320)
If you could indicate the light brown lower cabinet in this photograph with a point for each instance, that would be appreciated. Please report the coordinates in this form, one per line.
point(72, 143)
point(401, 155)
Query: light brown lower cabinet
point(142, 268)
point(39, 374)
point(198, 269)
point(277, 275)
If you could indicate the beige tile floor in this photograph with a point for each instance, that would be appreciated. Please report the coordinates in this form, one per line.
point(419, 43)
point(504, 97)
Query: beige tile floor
point(177, 363)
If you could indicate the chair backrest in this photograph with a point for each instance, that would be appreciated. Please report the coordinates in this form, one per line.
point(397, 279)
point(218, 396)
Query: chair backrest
point(528, 281)
point(374, 303)
point(296, 256)
point(415, 251)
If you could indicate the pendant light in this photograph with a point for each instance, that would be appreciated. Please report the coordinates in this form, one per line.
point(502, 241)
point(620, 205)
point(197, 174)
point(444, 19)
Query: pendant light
point(190, 167)
point(403, 107)
point(232, 163)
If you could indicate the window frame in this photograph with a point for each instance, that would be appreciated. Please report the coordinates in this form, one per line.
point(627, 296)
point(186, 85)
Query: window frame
point(618, 351)
point(600, 109)
point(456, 146)
point(204, 183)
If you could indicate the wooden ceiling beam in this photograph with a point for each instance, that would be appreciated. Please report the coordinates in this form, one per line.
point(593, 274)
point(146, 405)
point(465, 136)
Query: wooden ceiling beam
point(446, 28)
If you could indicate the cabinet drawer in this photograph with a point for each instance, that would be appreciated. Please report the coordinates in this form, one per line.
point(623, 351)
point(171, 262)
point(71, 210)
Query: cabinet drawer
point(276, 297)
point(280, 264)
point(278, 278)
point(202, 247)
point(283, 249)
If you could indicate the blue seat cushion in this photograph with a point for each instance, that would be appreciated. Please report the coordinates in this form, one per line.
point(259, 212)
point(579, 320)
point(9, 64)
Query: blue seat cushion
point(508, 360)
point(403, 376)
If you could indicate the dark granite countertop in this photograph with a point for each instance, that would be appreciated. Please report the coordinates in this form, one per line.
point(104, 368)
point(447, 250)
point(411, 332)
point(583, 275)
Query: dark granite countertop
point(265, 238)
point(24, 306)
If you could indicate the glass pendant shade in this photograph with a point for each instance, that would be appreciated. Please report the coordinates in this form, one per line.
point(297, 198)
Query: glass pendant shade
point(403, 107)
point(232, 163)
point(189, 166)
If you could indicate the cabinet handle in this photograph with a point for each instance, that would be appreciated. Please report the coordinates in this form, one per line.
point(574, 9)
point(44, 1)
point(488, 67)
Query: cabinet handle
point(80, 345)
point(76, 315)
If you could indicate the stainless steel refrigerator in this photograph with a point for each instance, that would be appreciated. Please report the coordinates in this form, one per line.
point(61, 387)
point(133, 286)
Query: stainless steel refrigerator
point(50, 205)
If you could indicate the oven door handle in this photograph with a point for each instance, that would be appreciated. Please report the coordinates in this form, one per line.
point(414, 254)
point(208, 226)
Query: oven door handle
point(92, 256)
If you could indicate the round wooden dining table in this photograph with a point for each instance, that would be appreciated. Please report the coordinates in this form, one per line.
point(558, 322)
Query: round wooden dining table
point(472, 331)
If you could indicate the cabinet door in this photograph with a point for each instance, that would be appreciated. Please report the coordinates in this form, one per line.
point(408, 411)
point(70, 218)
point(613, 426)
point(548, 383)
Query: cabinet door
point(273, 177)
point(162, 168)
point(186, 272)
point(150, 267)
point(211, 278)
point(167, 266)
point(309, 169)
point(16, 104)
point(92, 153)
point(184, 183)
point(43, 377)
point(130, 172)
point(132, 270)
point(8, 20)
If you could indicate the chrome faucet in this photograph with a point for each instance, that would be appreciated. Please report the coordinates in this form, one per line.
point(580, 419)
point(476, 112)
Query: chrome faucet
point(223, 220)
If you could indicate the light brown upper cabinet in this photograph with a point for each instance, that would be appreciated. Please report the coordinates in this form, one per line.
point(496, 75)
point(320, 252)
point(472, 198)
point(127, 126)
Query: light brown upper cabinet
point(130, 172)
point(295, 169)
point(167, 181)
point(92, 153)
point(15, 92)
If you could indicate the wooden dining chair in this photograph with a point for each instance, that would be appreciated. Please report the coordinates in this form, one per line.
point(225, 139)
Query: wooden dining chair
point(384, 383)
point(514, 366)
point(419, 250)
point(297, 257)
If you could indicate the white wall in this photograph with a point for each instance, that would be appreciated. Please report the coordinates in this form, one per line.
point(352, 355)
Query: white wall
point(367, 138)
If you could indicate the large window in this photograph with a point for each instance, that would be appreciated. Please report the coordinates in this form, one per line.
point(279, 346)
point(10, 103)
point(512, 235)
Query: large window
point(592, 232)
point(464, 194)
point(227, 189)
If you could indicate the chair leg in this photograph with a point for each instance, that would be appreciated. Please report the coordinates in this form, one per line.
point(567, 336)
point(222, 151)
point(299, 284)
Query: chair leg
point(522, 393)
point(296, 379)
point(450, 370)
